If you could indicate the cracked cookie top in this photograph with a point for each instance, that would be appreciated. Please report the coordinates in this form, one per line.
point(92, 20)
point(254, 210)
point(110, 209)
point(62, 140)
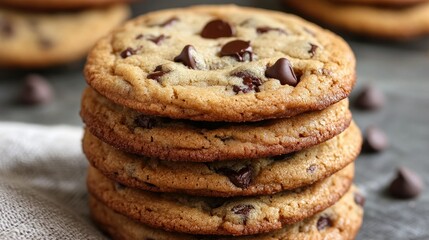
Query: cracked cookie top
point(221, 63)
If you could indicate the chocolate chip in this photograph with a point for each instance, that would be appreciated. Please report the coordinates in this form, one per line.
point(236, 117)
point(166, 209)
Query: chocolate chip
point(158, 68)
point(36, 90)
point(283, 156)
point(140, 36)
point(128, 52)
point(217, 29)
point(241, 178)
point(186, 57)
point(145, 121)
point(155, 75)
point(359, 199)
point(370, 98)
point(237, 49)
point(313, 49)
point(159, 39)
point(407, 184)
point(312, 168)
point(375, 140)
point(6, 27)
point(169, 22)
point(262, 30)
point(323, 223)
point(242, 209)
point(282, 70)
point(251, 83)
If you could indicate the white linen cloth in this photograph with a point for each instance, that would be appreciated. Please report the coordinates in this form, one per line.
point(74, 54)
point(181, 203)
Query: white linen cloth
point(42, 183)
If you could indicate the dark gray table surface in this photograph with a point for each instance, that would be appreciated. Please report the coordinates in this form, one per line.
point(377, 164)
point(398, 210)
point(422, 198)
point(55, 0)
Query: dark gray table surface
point(400, 70)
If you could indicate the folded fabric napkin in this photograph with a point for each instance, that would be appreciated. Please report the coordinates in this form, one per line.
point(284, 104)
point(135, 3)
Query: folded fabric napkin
point(42, 183)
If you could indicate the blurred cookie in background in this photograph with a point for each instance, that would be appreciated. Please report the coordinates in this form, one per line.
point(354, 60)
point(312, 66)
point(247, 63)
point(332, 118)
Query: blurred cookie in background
point(386, 19)
point(42, 39)
point(388, 3)
point(58, 4)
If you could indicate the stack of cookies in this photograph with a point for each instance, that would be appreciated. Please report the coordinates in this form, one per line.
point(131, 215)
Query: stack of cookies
point(43, 33)
point(218, 122)
point(390, 19)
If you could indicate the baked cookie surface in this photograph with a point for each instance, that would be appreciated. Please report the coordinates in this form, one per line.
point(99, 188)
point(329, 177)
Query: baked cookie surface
point(383, 22)
point(220, 216)
point(227, 178)
point(46, 39)
point(221, 63)
point(176, 140)
point(339, 222)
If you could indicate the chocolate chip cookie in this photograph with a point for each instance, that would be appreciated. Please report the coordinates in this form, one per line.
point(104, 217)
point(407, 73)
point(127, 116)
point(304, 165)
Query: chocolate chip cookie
point(180, 140)
point(403, 22)
point(58, 4)
point(45, 39)
point(221, 63)
point(341, 221)
point(220, 216)
point(228, 178)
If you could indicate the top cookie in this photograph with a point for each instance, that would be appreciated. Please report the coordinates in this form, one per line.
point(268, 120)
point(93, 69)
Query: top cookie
point(221, 63)
point(58, 4)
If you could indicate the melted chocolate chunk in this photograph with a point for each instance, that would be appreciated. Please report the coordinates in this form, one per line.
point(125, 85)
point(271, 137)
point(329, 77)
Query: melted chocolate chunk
point(6, 27)
point(282, 70)
point(251, 83)
point(237, 89)
point(242, 209)
point(407, 184)
point(169, 22)
point(158, 40)
point(144, 121)
point(241, 178)
point(140, 36)
point(158, 68)
point(359, 199)
point(323, 223)
point(128, 52)
point(186, 57)
point(217, 29)
point(262, 30)
point(313, 49)
point(237, 49)
point(155, 75)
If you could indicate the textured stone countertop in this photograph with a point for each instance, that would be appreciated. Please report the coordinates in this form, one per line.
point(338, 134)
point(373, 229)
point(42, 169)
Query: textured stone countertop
point(400, 70)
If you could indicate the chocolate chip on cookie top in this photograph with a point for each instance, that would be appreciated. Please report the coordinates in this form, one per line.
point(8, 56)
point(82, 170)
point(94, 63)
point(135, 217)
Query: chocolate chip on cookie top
point(222, 63)
point(217, 29)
